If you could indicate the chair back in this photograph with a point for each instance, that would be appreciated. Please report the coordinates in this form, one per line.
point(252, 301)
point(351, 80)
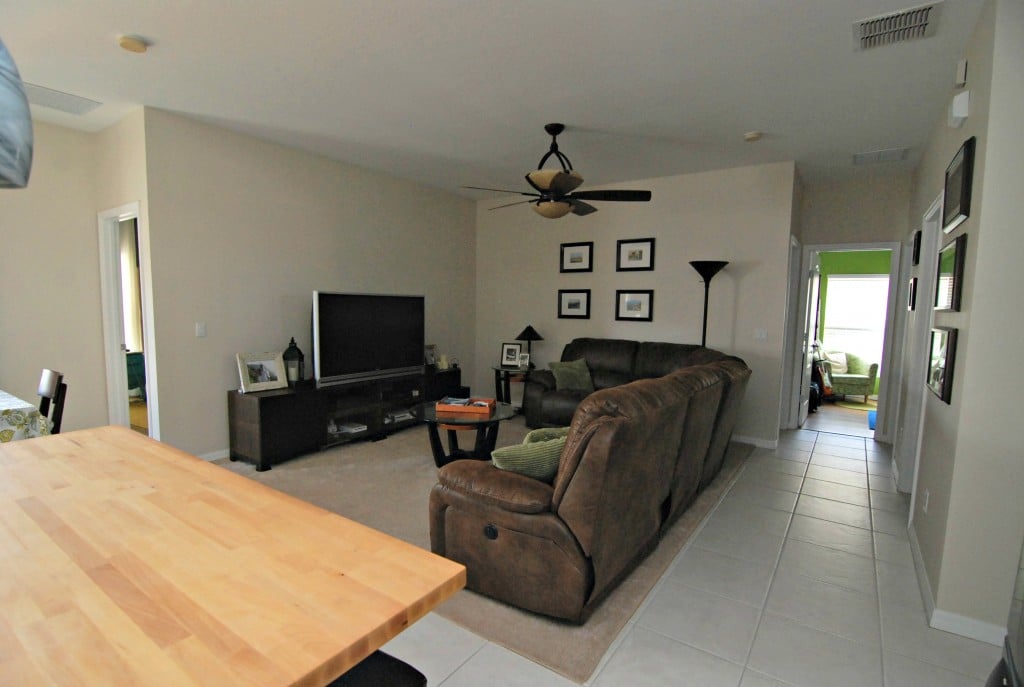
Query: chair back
point(52, 391)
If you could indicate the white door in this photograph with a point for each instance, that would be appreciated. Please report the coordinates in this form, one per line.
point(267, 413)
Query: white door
point(810, 320)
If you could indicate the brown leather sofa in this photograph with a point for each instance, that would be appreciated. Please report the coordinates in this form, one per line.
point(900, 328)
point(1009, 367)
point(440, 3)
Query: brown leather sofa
point(623, 477)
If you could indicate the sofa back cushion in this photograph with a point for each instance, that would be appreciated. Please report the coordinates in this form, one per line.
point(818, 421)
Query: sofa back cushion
point(736, 374)
point(657, 359)
point(705, 387)
point(606, 355)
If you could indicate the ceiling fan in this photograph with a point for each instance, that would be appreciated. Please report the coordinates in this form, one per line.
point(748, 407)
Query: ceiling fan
point(556, 195)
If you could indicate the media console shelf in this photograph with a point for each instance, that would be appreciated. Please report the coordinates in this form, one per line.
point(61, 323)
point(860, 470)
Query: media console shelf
point(267, 427)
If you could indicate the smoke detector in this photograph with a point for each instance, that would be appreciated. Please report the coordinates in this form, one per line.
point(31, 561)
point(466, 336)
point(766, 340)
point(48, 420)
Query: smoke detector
point(896, 27)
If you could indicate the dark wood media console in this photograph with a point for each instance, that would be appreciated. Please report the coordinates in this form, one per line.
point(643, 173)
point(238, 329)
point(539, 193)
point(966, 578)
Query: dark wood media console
point(267, 427)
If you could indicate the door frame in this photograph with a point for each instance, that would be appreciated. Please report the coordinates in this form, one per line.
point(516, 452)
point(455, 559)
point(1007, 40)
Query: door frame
point(895, 316)
point(108, 226)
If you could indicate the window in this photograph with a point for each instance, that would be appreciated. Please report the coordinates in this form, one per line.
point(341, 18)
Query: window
point(855, 306)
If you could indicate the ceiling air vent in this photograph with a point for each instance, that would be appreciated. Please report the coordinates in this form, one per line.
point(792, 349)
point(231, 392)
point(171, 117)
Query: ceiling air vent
point(875, 157)
point(59, 100)
point(896, 27)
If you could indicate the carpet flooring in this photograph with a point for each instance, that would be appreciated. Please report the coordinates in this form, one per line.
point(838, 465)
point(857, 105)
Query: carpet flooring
point(386, 485)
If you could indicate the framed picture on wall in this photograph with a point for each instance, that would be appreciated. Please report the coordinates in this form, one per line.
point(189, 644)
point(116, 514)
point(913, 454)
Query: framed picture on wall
point(634, 305)
point(950, 277)
point(956, 202)
point(574, 304)
point(577, 257)
point(941, 356)
point(915, 255)
point(912, 294)
point(634, 255)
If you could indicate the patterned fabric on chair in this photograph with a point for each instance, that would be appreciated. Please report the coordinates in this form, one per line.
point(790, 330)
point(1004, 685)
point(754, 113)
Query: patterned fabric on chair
point(850, 374)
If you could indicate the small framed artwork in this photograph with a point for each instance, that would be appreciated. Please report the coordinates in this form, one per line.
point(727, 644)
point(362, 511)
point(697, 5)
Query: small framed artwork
point(510, 354)
point(942, 354)
point(956, 202)
point(634, 305)
point(430, 354)
point(577, 257)
point(915, 255)
point(912, 294)
point(524, 360)
point(635, 255)
point(574, 304)
point(950, 277)
point(261, 371)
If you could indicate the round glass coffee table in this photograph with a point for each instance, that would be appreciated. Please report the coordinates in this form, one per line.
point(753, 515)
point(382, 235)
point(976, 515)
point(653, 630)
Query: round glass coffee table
point(486, 431)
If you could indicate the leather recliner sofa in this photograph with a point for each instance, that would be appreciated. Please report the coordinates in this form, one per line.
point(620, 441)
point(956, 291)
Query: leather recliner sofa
point(635, 457)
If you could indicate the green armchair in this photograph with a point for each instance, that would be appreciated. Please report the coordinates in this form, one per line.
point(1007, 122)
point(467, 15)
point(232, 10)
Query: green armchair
point(856, 378)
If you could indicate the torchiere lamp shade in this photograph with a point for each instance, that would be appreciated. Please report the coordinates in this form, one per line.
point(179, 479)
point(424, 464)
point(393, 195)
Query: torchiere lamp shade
point(707, 269)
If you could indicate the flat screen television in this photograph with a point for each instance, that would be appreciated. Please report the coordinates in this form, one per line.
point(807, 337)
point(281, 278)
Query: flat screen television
point(360, 336)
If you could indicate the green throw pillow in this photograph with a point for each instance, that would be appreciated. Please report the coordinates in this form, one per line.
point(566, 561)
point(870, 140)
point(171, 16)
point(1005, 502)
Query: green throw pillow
point(537, 459)
point(545, 434)
point(572, 375)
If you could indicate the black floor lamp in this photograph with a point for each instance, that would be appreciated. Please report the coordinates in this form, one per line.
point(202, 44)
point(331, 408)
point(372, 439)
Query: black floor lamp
point(707, 269)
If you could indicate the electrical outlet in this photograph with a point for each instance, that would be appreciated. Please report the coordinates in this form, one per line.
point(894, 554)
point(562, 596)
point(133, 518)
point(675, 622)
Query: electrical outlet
point(924, 505)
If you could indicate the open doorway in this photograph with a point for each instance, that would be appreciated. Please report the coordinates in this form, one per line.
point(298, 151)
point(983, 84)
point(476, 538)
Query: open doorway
point(850, 318)
point(131, 319)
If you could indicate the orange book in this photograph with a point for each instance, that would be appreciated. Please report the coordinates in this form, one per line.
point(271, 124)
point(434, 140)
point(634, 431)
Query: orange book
point(465, 405)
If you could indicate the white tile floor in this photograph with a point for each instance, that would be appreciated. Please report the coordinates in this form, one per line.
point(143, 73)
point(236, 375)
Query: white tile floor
point(801, 577)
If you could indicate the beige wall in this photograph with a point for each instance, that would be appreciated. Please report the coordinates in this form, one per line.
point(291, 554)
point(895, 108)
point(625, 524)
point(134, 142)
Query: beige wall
point(742, 215)
point(971, 461)
point(49, 266)
point(241, 233)
point(860, 211)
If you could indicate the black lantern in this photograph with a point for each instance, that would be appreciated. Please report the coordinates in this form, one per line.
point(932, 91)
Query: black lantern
point(294, 363)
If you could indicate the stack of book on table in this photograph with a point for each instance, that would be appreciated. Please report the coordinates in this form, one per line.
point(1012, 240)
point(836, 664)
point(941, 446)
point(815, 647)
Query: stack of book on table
point(450, 404)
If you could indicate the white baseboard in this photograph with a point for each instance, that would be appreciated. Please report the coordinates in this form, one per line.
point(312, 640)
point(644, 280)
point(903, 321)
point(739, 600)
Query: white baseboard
point(216, 455)
point(760, 443)
point(946, 620)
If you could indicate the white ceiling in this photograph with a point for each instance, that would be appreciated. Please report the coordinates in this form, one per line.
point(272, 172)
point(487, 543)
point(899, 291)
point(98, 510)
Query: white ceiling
point(456, 92)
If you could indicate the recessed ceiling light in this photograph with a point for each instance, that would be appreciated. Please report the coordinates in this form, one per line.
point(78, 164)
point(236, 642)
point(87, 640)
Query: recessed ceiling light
point(133, 43)
point(752, 136)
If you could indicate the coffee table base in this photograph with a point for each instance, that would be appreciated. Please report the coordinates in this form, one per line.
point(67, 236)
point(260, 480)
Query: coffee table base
point(486, 438)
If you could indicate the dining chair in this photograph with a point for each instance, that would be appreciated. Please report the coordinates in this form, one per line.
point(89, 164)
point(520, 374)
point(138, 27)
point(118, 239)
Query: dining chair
point(379, 669)
point(52, 390)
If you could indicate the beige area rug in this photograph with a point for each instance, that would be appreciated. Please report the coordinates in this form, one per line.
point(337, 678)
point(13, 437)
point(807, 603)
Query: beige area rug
point(858, 405)
point(386, 485)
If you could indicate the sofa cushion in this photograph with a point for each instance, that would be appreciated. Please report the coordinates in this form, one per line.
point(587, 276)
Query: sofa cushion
point(613, 355)
point(656, 359)
point(536, 459)
point(573, 374)
point(545, 434)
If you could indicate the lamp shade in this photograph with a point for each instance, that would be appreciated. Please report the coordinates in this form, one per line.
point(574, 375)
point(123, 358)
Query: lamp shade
point(529, 334)
point(15, 126)
point(552, 209)
point(708, 268)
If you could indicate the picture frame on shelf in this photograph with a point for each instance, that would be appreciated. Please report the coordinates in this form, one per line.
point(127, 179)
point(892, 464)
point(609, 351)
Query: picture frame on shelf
point(430, 354)
point(941, 356)
point(577, 257)
point(524, 360)
point(574, 304)
point(510, 354)
point(261, 371)
point(950, 274)
point(634, 255)
point(635, 305)
point(956, 201)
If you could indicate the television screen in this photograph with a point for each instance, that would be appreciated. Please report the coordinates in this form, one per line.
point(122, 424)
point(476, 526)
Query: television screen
point(363, 336)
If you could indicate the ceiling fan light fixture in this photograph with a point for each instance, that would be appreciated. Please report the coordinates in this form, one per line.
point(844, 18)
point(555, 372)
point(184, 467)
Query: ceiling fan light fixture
point(552, 209)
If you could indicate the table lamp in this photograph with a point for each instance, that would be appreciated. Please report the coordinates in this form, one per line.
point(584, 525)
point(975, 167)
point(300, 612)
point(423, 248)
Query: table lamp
point(707, 269)
point(529, 335)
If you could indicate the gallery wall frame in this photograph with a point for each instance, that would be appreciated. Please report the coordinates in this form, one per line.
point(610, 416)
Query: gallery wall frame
point(949, 276)
point(956, 201)
point(634, 255)
point(635, 305)
point(912, 294)
point(577, 257)
point(574, 304)
point(915, 255)
point(941, 356)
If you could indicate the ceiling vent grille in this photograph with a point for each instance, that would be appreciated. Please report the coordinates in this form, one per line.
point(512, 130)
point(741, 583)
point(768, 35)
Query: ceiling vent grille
point(875, 157)
point(896, 27)
point(59, 100)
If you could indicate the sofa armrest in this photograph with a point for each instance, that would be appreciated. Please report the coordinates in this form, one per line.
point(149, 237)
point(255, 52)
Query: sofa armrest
point(544, 379)
point(486, 484)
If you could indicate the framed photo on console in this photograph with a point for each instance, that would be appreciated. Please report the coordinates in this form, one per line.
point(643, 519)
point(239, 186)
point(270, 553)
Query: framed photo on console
point(577, 257)
point(634, 305)
point(574, 304)
point(942, 354)
point(261, 371)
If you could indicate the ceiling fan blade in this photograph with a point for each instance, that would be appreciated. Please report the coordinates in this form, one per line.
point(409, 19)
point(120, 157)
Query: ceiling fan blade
point(508, 205)
point(641, 196)
point(501, 190)
point(580, 208)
